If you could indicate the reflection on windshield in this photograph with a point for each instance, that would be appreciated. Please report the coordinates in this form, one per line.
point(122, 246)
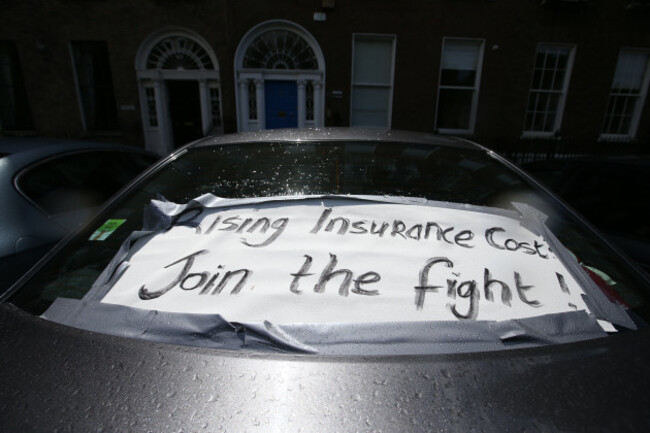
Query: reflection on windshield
point(394, 169)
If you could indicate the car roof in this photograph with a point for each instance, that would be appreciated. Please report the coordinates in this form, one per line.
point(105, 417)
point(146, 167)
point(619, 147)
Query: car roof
point(336, 134)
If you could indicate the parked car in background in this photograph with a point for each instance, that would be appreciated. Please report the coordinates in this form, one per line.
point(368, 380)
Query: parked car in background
point(329, 280)
point(49, 187)
point(611, 192)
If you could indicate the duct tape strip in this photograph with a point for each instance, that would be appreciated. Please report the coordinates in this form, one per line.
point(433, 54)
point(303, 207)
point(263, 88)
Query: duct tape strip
point(596, 300)
point(399, 338)
point(598, 304)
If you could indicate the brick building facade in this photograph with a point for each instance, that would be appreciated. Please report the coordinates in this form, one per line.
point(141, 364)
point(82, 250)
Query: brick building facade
point(518, 75)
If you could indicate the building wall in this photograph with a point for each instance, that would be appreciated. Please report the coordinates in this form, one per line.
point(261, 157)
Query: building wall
point(512, 29)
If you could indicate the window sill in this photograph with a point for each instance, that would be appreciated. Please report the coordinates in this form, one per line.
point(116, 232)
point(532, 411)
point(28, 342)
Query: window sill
point(102, 134)
point(540, 135)
point(615, 138)
point(461, 132)
point(18, 133)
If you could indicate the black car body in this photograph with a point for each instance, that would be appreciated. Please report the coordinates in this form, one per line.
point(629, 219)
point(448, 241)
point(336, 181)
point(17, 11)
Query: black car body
point(112, 367)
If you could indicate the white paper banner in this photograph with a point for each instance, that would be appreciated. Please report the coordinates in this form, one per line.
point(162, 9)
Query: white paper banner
point(314, 262)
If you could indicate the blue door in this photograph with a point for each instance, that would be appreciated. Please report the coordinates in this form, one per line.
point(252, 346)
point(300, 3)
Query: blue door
point(281, 104)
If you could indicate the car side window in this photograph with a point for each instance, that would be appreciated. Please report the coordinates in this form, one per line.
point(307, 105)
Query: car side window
point(80, 180)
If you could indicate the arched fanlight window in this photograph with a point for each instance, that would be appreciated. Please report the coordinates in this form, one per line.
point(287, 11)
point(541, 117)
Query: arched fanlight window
point(178, 52)
point(280, 49)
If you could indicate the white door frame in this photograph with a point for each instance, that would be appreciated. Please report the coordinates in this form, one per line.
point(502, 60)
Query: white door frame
point(158, 135)
point(246, 79)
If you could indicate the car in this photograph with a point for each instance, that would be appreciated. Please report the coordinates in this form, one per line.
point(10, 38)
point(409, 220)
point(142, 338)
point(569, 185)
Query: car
point(48, 188)
point(329, 280)
point(606, 190)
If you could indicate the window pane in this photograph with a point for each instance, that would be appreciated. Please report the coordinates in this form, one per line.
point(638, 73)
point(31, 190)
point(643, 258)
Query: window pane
point(542, 111)
point(215, 107)
point(7, 107)
point(459, 63)
point(373, 61)
point(563, 60)
point(537, 79)
point(458, 77)
point(547, 79)
point(619, 114)
point(14, 109)
point(151, 106)
point(370, 106)
point(454, 108)
point(309, 101)
point(460, 55)
point(553, 61)
point(558, 80)
point(551, 58)
point(95, 85)
point(630, 71)
point(252, 100)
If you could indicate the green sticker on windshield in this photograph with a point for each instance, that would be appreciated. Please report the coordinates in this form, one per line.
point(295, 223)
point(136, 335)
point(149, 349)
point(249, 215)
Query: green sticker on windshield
point(106, 230)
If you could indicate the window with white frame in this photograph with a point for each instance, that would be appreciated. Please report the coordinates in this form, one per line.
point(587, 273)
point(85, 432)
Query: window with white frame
point(548, 89)
point(627, 96)
point(460, 75)
point(373, 59)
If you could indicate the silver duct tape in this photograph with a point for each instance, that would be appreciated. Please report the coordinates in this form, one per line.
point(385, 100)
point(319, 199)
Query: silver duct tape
point(399, 338)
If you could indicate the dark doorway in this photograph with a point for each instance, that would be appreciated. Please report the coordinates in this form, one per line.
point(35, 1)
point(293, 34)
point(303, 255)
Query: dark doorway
point(281, 104)
point(185, 111)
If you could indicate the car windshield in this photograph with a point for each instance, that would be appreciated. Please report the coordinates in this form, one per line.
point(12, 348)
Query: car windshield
point(343, 247)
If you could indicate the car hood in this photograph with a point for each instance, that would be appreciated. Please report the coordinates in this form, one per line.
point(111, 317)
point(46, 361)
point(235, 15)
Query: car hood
point(58, 378)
